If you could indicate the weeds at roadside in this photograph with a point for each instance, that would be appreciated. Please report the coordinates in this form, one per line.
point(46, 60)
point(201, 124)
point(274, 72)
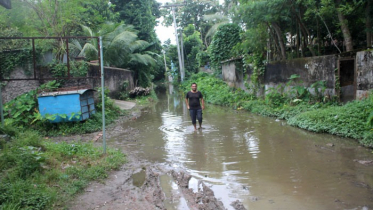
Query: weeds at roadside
point(40, 174)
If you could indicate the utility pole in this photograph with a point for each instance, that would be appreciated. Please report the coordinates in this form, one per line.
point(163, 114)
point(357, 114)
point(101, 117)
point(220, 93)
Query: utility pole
point(181, 62)
point(182, 51)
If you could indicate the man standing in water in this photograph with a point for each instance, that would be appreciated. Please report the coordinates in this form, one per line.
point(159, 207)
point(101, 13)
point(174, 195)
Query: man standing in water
point(193, 101)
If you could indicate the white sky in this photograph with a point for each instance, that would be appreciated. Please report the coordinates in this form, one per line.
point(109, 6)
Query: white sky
point(163, 32)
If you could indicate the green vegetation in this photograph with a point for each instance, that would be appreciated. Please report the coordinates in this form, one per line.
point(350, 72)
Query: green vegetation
point(224, 40)
point(297, 106)
point(38, 173)
point(127, 28)
point(216, 91)
point(145, 100)
point(22, 112)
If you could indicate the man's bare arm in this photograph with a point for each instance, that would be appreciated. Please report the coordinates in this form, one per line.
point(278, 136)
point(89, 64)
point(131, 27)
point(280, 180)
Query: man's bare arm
point(186, 101)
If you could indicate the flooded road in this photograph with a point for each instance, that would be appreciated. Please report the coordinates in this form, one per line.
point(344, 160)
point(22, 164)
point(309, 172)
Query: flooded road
point(260, 161)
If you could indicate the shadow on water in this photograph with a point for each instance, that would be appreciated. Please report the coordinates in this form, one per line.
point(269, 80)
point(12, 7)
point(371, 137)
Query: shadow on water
point(261, 161)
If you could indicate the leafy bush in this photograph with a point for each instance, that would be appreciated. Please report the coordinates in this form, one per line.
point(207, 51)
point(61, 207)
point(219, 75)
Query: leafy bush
point(216, 91)
point(224, 40)
point(22, 111)
point(77, 69)
point(274, 96)
point(347, 121)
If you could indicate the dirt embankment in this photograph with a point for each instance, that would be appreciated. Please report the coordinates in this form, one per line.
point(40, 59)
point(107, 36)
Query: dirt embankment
point(141, 185)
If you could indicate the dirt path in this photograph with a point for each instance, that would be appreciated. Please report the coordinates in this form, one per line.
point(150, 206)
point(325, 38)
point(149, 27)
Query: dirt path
point(141, 185)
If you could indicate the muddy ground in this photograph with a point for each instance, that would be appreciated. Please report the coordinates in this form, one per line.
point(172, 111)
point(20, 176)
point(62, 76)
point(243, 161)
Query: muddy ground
point(141, 185)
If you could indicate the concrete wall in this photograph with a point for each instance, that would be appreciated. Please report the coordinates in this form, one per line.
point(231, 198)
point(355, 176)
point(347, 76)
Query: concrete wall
point(364, 73)
point(232, 73)
point(12, 89)
point(114, 78)
point(310, 70)
point(355, 79)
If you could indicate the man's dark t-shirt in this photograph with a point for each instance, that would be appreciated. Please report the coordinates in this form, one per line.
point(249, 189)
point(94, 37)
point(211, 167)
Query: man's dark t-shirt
point(194, 102)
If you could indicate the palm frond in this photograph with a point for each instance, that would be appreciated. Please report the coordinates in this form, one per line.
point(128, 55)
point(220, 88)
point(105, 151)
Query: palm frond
point(124, 38)
point(75, 46)
point(87, 31)
point(88, 48)
point(214, 28)
point(217, 17)
point(143, 59)
point(153, 54)
point(138, 45)
point(107, 28)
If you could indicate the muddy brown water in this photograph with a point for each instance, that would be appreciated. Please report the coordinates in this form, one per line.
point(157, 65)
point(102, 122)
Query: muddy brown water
point(260, 161)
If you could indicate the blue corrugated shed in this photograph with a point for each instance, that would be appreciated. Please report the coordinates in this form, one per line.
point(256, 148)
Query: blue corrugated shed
point(76, 105)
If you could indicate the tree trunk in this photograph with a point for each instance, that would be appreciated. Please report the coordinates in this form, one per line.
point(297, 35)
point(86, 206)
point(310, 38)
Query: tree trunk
point(280, 40)
point(368, 23)
point(297, 39)
point(318, 37)
point(344, 28)
point(305, 32)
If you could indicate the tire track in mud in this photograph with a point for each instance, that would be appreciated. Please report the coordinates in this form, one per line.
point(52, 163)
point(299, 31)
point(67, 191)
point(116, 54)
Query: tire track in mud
point(119, 191)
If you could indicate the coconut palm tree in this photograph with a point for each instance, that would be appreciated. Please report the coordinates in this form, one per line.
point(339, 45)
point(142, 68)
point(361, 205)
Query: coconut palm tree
point(121, 48)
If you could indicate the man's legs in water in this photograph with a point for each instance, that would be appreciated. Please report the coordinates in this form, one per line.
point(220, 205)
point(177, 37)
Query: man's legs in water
point(199, 117)
point(193, 116)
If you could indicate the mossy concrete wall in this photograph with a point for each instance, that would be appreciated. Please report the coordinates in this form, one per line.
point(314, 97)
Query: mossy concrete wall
point(364, 73)
point(310, 70)
point(232, 74)
point(114, 79)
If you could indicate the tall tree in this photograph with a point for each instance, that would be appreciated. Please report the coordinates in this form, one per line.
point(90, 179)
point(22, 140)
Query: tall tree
point(142, 14)
point(274, 14)
point(344, 26)
point(192, 45)
point(224, 40)
point(193, 12)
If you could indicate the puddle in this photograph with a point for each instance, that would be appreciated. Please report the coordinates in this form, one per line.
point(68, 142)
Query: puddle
point(139, 178)
point(174, 198)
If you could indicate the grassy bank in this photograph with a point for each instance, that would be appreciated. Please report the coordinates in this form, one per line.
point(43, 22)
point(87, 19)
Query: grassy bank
point(310, 113)
point(37, 173)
